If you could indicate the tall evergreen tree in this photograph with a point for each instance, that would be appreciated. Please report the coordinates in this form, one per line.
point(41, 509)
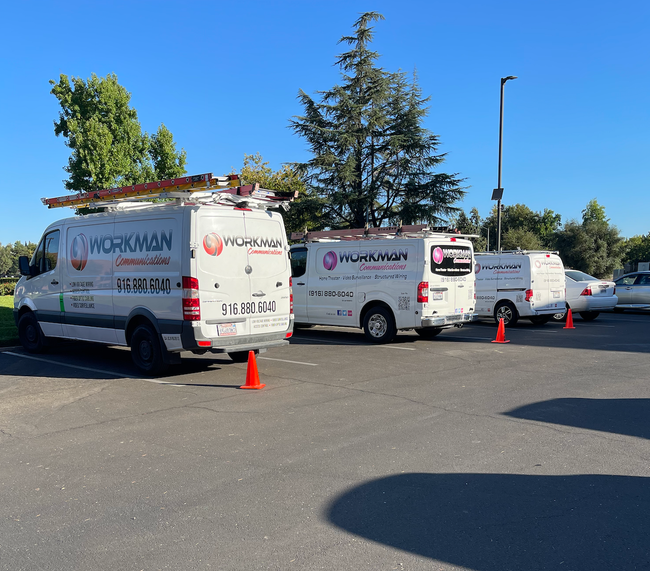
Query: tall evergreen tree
point(372, 158)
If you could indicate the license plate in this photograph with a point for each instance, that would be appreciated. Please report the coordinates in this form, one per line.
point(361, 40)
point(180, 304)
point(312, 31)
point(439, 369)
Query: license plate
point(227, 329)
point(454, 318)
point(556, 294)
point(603, 287)
point(437, 295)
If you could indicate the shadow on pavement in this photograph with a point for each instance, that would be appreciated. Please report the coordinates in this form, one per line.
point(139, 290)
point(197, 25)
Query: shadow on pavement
point(499, 522)
point(621, 416)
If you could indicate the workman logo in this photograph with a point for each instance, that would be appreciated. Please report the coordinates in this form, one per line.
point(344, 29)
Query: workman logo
point(438, 255)
point(79, 252)
point(477, 268)
point(329, 260)
point(213, 244)
point(538, 264)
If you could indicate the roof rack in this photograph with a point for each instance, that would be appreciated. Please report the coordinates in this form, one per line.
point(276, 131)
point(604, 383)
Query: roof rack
point(495, 253)
point(400, 231)
point(201, 188)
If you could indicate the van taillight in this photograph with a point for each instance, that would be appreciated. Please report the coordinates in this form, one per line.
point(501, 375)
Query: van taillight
point(586, 291)
point(290, 296)
point(423, 292)
point(191, 303)
point(529, 294)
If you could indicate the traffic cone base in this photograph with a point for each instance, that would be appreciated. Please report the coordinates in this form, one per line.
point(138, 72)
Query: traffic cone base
point(569, 320)
point(501, 333)
point(252, 376)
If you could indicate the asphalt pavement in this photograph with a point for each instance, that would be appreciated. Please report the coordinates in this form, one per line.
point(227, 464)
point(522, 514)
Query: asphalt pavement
point(444, 454)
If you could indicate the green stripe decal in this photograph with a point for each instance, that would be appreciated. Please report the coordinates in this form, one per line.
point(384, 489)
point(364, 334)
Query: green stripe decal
point(61, 302)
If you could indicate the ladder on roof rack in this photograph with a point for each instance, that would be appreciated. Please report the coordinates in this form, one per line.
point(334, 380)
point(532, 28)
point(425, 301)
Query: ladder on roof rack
point(195, 186)
point(384, 232)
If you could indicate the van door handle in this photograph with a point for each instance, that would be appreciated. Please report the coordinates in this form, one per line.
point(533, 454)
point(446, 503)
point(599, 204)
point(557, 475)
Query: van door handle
point(259, 294)
point(300, 283)
point(54, 282)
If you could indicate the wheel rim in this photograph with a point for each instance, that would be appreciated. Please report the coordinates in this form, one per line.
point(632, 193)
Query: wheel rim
point(30, 333)
point(377, 325)
point(145, 351)
point(559, 316)
point(504, 313)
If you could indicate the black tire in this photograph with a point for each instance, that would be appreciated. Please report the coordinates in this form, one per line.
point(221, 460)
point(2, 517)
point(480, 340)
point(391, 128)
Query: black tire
point(429, 332)
point(146, 350)
point(618, 310)
point(507, 311)
point(540, 319)
point(241, 356)
point(30, 333)
point(379, 325)
point(589, 315)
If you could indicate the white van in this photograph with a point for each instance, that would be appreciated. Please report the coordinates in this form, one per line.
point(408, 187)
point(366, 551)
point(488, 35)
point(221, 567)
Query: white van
point(162, 278)
point(422, 281)
point(514, 284)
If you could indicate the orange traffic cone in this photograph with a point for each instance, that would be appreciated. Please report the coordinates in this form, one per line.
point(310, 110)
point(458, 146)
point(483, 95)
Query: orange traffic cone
point(501, 333)
point(569, 320)
point(252, 376)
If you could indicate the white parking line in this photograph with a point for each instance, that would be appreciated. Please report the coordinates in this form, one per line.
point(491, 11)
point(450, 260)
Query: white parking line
point(287, 361)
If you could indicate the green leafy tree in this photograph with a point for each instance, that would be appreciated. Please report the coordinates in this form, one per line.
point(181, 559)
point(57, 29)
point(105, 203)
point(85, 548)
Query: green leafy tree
point(637, 249)
point(520, 239)
point(20, 249)
point(306, 211)
point(537, 228)
point(472, 224)
point(5, 259)
point(108, 146)
point(593, 246)
point(372, 158)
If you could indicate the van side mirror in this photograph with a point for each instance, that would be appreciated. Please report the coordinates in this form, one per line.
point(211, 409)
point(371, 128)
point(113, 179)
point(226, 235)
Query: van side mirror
point(23, 266)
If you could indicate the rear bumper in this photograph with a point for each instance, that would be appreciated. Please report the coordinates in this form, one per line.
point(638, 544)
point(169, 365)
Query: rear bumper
point(192, 335)
point(448, 320)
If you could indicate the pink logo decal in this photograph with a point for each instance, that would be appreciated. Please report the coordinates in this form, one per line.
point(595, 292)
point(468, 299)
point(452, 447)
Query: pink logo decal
point(438, 255)
point(79, 252)
point(213, 244)
point(329, 261)
point(477, 268)
point(538, 264)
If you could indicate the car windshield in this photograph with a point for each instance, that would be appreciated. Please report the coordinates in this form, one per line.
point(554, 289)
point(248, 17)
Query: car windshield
point(579, 276)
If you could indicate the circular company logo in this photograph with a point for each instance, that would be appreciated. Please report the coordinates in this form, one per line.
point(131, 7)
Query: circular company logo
point(213, 244)
point(79, 252)
point(438, 255)
point(329, 260)
point(538, 264)
point(477, 268)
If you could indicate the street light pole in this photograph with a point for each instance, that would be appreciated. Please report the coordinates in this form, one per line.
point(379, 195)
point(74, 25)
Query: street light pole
point(499, 191)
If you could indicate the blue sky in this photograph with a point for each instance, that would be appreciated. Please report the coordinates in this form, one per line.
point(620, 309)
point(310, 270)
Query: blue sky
point(224, 76)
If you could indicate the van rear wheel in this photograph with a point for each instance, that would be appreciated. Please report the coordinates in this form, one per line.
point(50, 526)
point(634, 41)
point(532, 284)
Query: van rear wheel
point(379, 325)
point(30, 333)
point(506, 311)
point(146, 350)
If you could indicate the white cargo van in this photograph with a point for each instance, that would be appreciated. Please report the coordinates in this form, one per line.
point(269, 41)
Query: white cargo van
point(384, 280)
point(207, 272)
point(514, 284)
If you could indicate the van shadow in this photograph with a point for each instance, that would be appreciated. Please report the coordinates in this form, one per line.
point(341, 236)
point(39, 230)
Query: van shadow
point(621, 416)
point(95, 361)
point(499, 522)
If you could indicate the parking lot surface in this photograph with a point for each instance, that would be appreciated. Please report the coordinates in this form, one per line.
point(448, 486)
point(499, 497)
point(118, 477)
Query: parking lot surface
point(444, 454)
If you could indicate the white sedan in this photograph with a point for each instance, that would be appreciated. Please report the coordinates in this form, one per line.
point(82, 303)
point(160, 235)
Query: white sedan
point(587, 295)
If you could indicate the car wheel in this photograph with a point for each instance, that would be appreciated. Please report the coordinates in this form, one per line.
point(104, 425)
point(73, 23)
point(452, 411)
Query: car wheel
point(559, 316)
point(30, 333)
point(241, 356)
point(506, 311)
point(618, 310)
point(146, 350)
point(540, 319)
point(429, 332)
point(589, 315)
point(379, 325)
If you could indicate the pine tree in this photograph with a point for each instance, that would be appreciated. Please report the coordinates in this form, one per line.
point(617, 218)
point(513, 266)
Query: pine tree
point(372, 158)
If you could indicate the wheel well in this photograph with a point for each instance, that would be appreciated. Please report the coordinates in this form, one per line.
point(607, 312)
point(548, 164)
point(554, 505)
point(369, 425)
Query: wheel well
point(134, 323)
point(23, 310)
point(369, 306)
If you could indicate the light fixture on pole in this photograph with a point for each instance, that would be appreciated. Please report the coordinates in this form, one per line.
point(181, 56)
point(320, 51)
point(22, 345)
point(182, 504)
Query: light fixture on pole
point(497, 194)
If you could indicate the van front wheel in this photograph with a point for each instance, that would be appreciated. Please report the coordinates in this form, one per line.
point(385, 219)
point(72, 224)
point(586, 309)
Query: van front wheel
point(379, 325)
point(30, 333)
point(506, 311)
point(146, 351)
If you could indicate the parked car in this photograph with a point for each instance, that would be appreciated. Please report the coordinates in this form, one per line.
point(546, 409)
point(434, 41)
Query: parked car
point(633, 291)
point(587, 295)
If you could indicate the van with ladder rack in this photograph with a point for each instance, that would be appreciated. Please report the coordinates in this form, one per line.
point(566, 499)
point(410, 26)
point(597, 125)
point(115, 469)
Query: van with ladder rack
point(205, 271)
point(383, 280)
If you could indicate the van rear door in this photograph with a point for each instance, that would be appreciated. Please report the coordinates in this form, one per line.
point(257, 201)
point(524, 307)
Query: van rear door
point(548, 282)
point(451, 280)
